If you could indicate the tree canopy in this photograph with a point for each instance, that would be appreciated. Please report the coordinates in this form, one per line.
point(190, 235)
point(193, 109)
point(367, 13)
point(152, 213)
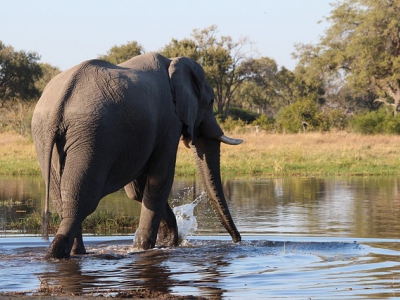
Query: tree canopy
point(353, 69)
point(48, 72)
point(19, 70)
point(238, 78)
point(220, 57)
point(361, 49)
point(119, 54)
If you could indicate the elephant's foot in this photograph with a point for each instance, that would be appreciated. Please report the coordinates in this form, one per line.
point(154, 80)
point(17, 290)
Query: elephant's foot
point(59, 247)
point(78, 247)
point(143, 242)
point(167, 236)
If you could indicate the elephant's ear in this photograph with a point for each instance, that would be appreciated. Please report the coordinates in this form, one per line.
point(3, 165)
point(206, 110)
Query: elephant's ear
point(186, 78)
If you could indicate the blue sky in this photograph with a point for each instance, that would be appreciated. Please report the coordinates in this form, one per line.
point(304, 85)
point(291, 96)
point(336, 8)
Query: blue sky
point(66, 33)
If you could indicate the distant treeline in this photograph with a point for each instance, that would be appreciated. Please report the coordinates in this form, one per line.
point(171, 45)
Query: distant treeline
point(349, 80)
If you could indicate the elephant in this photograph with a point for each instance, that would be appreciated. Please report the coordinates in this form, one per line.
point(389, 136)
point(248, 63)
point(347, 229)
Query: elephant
point(100, 127)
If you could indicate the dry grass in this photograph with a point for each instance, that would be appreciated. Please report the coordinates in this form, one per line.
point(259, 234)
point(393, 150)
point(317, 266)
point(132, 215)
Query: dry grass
point(261, 155)
point(310, 154)
point(17, 155)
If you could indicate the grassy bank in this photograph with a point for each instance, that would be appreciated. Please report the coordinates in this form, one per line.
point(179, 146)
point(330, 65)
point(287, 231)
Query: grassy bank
point(261, 155)
point(100, 222)
point(17, 155)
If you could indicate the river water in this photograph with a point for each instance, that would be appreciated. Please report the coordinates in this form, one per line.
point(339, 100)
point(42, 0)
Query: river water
point(303, 238)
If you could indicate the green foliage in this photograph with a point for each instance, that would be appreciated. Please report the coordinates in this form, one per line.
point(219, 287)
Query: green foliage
point(32, 223)
point(19, 70)
point(361, 48)
point(265, 123)
point(119, 54)
point(268, 88)
point(108, 221)
point(99, 222)
point(355, 66)
point(48, 72)
point(220, 58)
point(229, 124)
point(376, 122)
point(16, 117)
point(185, 47)
point(242, 114)
point(333, 118)
point(265, 86)
point(237, 78)
point(299, 116)
point(259, 87)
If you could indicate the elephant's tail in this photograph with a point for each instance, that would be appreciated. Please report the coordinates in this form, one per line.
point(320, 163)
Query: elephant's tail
point(49, 143)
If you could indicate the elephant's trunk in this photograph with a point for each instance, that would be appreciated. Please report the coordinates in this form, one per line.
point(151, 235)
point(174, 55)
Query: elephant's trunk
point(207, 154)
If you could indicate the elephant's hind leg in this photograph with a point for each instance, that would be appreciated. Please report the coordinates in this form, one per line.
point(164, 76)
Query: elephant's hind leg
point(63, 242)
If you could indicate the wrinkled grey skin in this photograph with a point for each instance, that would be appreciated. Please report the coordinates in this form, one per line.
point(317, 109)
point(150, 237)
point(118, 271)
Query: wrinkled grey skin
point(100, 127)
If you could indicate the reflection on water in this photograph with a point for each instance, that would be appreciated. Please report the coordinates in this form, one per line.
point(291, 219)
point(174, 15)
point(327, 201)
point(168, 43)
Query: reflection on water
point(303, 238)
point(347, 207)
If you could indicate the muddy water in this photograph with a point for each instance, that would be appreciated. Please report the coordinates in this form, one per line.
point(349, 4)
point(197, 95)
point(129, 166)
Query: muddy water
point(303, 238)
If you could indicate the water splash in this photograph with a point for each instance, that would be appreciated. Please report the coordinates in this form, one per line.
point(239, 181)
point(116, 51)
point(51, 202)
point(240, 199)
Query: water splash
point(185, 218)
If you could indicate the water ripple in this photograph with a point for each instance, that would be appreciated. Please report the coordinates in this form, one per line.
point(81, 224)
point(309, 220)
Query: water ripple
point(213, 267)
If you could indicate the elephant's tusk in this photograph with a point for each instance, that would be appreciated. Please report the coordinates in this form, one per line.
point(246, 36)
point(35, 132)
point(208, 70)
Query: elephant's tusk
point(230, 141)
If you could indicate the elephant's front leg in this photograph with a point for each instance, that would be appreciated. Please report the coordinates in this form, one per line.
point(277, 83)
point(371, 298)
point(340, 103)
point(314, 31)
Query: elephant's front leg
point(168, 230)
point(146, 234)
point(154, 203)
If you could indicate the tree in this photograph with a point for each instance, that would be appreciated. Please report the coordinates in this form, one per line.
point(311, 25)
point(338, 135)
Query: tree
point(19, 70)
point(267, 87)
point(361, 48)
point(119, 54)
point(185, 48)
point(220, 58)
point(258, 89)
point(49, 72)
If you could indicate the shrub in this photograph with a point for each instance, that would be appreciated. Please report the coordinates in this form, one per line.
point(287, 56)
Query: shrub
point(16, 117)
point(333, 118)
point(299, 116)
point(374, 122)
point(265, 123)
point(231, 125)
point(242, 114)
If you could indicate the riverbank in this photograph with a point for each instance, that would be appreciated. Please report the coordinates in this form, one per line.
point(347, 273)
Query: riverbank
point(261, 155)
point(17, 155)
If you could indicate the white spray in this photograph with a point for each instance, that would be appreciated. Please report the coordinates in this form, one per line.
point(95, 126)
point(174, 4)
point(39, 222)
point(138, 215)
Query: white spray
point(185, 218)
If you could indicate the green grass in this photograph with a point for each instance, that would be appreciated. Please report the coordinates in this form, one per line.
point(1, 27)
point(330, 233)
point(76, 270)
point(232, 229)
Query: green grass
point(100, 222)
